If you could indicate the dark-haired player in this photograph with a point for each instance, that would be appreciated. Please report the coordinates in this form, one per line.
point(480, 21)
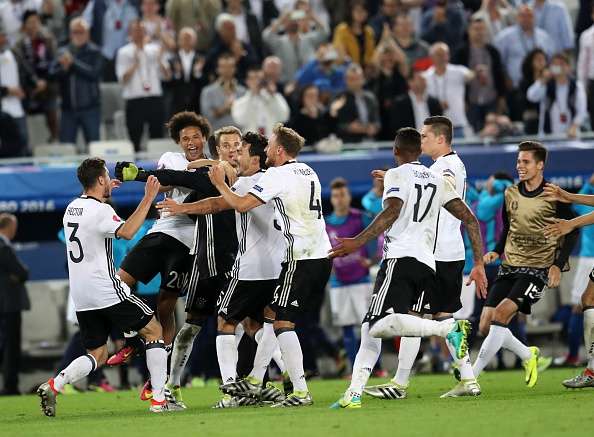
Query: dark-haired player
point(102, 300)
point(532, 260)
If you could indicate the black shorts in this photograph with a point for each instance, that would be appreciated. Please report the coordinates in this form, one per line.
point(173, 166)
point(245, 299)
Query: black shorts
point(132, 314)
point(444, 296)
point(159, 253)
point(298, 281)
point(202, 298)
point(524, 290)
point(244, 299)
point(402, 285)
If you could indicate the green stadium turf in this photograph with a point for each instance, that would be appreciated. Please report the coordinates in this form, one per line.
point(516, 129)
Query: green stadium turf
point(506, 409)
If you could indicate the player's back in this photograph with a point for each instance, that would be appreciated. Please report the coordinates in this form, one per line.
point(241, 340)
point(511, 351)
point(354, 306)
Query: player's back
point(89, 226)
point(422, 192)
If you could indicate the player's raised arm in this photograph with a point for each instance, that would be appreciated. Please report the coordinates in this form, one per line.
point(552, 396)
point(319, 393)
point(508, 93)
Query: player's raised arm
point(564, 227)
point(131, 226)
point(238, 203)
point(211, 205)
point(554, 192)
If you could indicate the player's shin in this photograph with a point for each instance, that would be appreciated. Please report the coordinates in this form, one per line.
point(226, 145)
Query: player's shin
point(156, 362)
point(267, 343)
point(76, 370)
point(491, 345)
point(227, 356)
point(407, 354)
point(367, 356)
point(182, 348)
point(293, 357)
point(406, 325)
point(589, 335)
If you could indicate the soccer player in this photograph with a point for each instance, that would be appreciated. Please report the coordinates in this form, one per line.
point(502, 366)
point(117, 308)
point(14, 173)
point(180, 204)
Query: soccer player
point(294, 190)
point(565, 227)
point(413, 196)
point(436, 142)
point(214, 249)
point(350, 284)
point(254, 274)
point(102, 300)
point(532, 260)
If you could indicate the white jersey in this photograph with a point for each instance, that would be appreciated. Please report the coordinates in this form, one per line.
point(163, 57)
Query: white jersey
point(423, 193)
point(89, 228)
point(297, 195)
point(261, 244)
point(180, 227)
point(450, 244)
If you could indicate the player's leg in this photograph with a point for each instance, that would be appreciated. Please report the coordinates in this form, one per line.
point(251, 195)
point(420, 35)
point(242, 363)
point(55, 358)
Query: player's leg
point(166, 302)
point(156, 358)
point(226, 349)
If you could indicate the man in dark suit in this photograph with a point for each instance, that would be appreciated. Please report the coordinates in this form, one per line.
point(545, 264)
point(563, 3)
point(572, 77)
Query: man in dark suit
point(13, 300)
point(410, 109)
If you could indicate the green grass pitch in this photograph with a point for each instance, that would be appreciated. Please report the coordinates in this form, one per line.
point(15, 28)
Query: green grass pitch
point(506, 409)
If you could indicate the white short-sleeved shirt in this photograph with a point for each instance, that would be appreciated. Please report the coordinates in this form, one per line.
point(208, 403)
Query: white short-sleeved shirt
point(89, 228)
point(450, 87)
point(295, 190)
point(146, 79)
point(423, 193)
point(261, 244)
point(450, 244)
point(180, 227)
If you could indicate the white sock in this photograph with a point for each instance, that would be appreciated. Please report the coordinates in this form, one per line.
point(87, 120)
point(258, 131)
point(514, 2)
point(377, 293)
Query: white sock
point(267, 344)
point(405, 325)
point(464, 364)
point(76, 370)
point(489, 348)
point(409, 349)
point(367, 356)
point(182, 348)
point(227, 356)
point(277, 356)
point(293, 357)
point(589, 336)
point(156, 362)
point(239, 331)
point(516, 346)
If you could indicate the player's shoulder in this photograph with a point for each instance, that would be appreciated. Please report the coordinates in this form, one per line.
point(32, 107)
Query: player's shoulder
point(173, 161)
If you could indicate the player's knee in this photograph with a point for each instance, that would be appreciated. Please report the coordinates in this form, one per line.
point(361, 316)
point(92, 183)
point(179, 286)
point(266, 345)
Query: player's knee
point(251, 326)
point(100, 355)
point(226, 326)
point(502, 315)
point(588, 296)
point(283, 325)
point(152, 331)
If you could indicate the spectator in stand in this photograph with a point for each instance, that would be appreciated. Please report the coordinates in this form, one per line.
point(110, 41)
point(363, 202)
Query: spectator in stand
point(444, 23)
point(110, 22)
point(16, 81)
point(293, 47)
point(187, 80)
point(246, 25)
point(158, 29)
point(218, 97)
point(533, 67)
point(497, 15)
point(563, 101)
point(53, 17)
point(325, 71)
point(514, 43)
point(200, 15)
point(272, 67)
point(312, 119)
point(358, 118)
point(416, 50)
point(37, 50)
point(385, 16)
point(78, 70)
point(585, 65)
point(412, 108)
point(584, 17)
point(226, 41)
point(74, 8)
point(388, 80)
point(261, 107)
point(447, 83)
point(354, 39)
point(140, 68)
point(264, 10)
point(486, 92)
point(11, 16)
point(553, 17)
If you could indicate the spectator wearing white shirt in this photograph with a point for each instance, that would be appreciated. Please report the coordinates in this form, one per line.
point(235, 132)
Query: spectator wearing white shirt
point(585, 65)
point(11, 16)
point(139, 68)
point(497, 15)
point(447, 83)
point(562, 99)
point(260, 108)
point(553, 17)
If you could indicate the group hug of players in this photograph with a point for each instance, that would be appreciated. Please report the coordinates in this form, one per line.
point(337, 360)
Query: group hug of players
point(242, 235)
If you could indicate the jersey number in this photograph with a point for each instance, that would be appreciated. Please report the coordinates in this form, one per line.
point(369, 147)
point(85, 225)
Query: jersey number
point(315, 206)
point(73, 238)
point(420, 191)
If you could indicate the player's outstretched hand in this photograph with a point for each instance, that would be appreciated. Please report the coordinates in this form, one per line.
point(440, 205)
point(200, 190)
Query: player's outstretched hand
point(344, 247)
point(152, 187)
point(378, 174)
point(490, 257)
point(479, 277)
point(554, 192)
point(170, 206)
point(217, 175)
point(115, 183)
point(554, 277)
point(557, 229)
point(126, 171)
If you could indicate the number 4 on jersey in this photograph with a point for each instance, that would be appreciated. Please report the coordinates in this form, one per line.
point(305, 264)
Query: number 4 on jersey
point(317, 206)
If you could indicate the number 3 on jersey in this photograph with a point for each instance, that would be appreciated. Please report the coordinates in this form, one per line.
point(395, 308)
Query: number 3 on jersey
point(317, 206)
point(420, 191)
point(74, 239)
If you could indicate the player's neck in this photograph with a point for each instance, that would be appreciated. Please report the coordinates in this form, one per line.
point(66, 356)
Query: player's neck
point(534, 183)
point(442, 152)
point(95, 194)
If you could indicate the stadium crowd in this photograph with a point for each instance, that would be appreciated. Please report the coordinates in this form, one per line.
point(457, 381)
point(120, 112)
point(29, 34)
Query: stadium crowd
point(357, 70)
